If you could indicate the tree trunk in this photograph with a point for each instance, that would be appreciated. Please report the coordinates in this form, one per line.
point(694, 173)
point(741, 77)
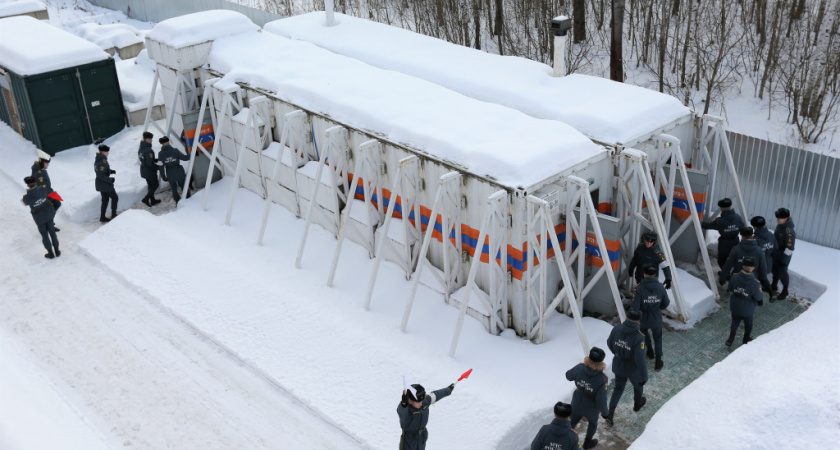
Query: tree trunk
point(691, 12)
point(477, 20)
point(664, 26)
point(579, 19)
point(616, 57)
point(498, 29)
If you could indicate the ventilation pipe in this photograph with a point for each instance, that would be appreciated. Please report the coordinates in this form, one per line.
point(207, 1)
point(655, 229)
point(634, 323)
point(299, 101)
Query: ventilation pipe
point(329, 8)
point(560, 25)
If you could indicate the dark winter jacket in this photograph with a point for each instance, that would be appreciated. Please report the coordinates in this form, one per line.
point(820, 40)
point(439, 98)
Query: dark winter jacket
point(413, 421)
point(590, 397)
point(171, 159)
point(746, 293)
point(650, 298)
point(747, 247)
point(558, 435)
point(785, 239)
point(36, 199)
point(728, 224)
point(104, 182)
point(148, 168)
point(41, 177)
point(628, 346)
point(767, 242)
point(644, 256)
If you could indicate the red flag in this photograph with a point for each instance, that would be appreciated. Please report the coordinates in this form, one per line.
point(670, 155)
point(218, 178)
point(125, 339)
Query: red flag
point(465, 375)
point(54, 195)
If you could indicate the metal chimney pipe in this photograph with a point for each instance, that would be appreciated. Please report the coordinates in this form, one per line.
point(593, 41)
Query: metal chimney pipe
point(559, 26)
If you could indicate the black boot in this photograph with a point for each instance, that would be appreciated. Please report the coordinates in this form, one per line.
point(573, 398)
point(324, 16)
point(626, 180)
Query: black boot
point(650, 353)
point(747, 339)
point(775, 286)
point(147, 201)
point(57, 229)
point(49, 255)
point(57, 252)
point(783, 295)
point(638, 405)
point(610, 417)
point(113, 215)
point(155, 201)
point(659, 365)
point(102, 218)
point(590, 443)
point(730, 340)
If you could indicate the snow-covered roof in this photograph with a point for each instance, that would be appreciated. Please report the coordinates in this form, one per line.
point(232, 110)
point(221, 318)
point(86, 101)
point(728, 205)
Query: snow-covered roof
point(111, 35)
point(606, 111)
point(488, 139)
point(191, 29)
point(29, 46)
point(20, 7)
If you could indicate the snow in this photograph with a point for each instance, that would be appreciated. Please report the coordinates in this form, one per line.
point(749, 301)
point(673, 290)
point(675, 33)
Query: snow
point(606, 111)
point(136, 76)
point(697, 298)
point(30, 47)
point(116, 35)
point(20, 7)
point(781, 386)
point(197, 28)
point(487, 139)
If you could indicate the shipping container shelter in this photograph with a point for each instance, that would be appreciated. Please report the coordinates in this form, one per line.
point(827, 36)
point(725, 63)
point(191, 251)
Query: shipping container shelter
point(31, 8)
point(285, 114)
point(60, 91)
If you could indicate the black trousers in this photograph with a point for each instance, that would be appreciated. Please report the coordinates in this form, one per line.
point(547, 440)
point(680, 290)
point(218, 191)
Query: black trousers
point(110, 195)
point(657, 339)
point(152, 183)
point(48, 236)
point(736, 322)
point(591, 427)
point(725, 247)
point(620, 382)
point(780, 270)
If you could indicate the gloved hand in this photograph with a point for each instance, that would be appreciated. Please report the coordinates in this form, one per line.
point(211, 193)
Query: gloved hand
point(761, 303)
point(667, 284)
point(113, 171)
point(630, 272)
point(112, 180)
point(451, 387)
point(788, 252)
point(404, 400)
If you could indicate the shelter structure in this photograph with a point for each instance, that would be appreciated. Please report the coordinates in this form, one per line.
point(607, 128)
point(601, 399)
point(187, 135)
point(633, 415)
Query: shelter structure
point(31, 8)
point(616, 115)
point(58, 90)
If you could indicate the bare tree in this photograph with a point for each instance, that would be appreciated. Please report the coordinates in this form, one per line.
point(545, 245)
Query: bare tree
point(616, 56)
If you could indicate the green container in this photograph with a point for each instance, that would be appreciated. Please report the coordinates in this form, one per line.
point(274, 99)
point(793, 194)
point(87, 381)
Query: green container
point(64, 108)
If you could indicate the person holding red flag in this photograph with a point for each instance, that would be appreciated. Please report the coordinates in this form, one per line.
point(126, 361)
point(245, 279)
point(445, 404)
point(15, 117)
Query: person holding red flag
point(413, 411)
point(43, 213)
point(39, 173)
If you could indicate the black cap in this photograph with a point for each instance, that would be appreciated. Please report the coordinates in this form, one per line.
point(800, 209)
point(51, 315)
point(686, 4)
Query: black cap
point(562, 409)
point(782, 213)
point(749, 261)
point(596, 355)
point(649, 236)
point(634, 314)
point(746, 231)
point(758, 221)
point(29, 180)
point(651, 270)
point(104, 148)
point(147, 135)
point(163, 140)
point(725, 203)
point(421, 393)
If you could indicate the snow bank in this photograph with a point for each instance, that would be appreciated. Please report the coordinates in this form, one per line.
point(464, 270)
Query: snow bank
point(189, 29)
point(604, 110)
point(136, 76)
point(14, 8)
point(29, 46)
point(487, 139)
point(319, 343)
point(782, 387)
point(697, 298)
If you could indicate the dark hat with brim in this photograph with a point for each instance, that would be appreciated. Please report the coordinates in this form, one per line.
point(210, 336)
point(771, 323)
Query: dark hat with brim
point(651, 270)
point(163, 140)
point(746, 231)
point(634, 314)
point(147, 135)
point(758, 221)
point(29, 180)
point(725, 203)
point(782, 213)
point(649, 236)
point(749, 261)
point(421, 393)
point(596, 355)
point(562, 409)
point(104, 148)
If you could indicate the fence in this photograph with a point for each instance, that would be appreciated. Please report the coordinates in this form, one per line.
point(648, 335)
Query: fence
point(775, 175)
point(160, 10)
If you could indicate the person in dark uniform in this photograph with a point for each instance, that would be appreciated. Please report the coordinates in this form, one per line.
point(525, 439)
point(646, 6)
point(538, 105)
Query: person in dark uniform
point(148, 169)
point(650, 298)
point(648, 254)
point(105, 183)
point(727, 224)
point(39, 173)
point(558, 435)
point(767, 242)
point(748, 247)
point(171, 159)
point(590, 397)
point(413, 411)
point(746, 294)
point(627, 344)
point(43, 214)
point(785, 241)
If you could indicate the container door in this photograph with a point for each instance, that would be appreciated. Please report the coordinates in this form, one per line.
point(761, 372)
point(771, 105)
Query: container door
point(102, 99)
point(56, 107)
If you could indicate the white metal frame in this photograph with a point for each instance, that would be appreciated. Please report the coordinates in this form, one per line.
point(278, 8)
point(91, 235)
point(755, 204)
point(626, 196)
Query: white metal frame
point(230, 100)
point(712, 133)
point(255, 111)
point(494, 228)
point(447, 204)
point(406, 185)
point(185, 84)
